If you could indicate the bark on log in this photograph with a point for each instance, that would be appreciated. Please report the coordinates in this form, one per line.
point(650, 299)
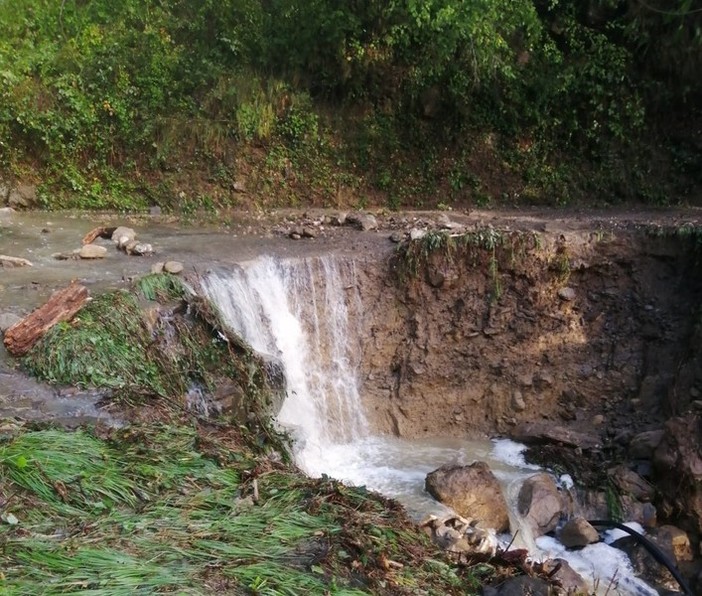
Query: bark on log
point(99, 232)
point(61, 306)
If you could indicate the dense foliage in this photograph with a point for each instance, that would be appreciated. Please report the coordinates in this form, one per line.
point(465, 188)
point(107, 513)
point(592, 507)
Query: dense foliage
point(122, 103)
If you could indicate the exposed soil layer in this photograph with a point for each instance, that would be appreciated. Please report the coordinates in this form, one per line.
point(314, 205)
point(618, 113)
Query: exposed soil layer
point(588, 327)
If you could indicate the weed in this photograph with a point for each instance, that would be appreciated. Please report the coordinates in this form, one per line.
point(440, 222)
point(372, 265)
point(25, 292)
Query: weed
point(109, 345)
point(162, 287)
point(159, 508)
point(494, 270)
point(106, 346)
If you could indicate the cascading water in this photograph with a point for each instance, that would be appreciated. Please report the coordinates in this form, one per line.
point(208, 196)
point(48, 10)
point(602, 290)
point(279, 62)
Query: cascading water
point(300, 312)
point(284, 312)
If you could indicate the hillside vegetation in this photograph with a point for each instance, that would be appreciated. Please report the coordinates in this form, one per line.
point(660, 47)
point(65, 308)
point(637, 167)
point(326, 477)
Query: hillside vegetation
point(407, 103)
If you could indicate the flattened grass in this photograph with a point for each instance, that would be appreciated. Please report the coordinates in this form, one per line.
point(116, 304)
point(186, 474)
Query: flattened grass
point(173, 509)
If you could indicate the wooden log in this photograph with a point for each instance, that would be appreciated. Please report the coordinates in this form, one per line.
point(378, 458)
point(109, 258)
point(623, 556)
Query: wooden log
point(61, 306)
point(99, 232)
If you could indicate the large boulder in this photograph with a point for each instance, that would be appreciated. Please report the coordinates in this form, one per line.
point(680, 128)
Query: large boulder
point(672, 542)
point(541, 504)
point(471, 491)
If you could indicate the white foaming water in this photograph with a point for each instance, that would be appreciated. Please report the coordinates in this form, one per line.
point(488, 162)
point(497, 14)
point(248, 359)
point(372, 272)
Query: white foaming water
point(299, 312)
point(606, 567)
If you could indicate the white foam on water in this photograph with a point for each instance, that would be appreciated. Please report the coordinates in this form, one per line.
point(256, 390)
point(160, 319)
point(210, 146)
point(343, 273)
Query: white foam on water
point(606, 568)
point(511, 453)
point(615, 533)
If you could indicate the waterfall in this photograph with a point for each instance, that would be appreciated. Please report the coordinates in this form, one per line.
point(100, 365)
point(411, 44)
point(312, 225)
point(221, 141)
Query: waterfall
point(307, 314)
point(298, 311)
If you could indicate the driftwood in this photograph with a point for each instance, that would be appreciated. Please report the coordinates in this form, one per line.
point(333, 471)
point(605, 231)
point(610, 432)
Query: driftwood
point(99, 232)
point(61, 306)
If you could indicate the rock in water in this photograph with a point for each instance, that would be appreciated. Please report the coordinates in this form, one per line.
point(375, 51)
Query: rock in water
point(540, 503)
point(12, 262)
point(578, 532)
point(92, 251)
point(472, 491)
point(173, 267)
point(123, 236)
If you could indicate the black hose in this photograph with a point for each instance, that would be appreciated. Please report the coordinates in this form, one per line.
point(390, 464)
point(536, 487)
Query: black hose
point(652, 548)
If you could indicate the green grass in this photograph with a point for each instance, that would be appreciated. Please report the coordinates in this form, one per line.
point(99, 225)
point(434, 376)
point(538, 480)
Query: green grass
point(160, 353)
point(168, 509)
point(161, 287)
point(104, 346)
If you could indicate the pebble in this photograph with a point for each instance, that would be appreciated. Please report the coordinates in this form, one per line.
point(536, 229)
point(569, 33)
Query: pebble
point(173, 267)
point(92, 251)
point(567, 294)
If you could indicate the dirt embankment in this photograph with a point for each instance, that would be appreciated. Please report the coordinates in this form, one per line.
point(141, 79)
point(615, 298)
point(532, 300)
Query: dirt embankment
point(591, 328)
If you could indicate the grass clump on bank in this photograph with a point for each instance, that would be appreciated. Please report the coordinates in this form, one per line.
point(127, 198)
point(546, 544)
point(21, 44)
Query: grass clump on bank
point(140, 350)
point(104, 346)
point(197, 509)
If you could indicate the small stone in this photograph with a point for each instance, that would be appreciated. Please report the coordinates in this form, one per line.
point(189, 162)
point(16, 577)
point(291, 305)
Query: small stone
point(296, 231)
point(239, 187)
point(518, 402)
point(65, 256)
point(155, 210)
point(526, 380)
point(92, 251)
point(396, 237)
point(367, 222)
point(123, 236)
point(140, 249)
point(295, 236)
point(309, 232)
point(157, 267)
point(567, 294)
point(128, 246)
point(598, 420)
point(12, 262)
point(416, 233)
point(544, 378)
point(173, 267)
point(338, 219)
point(644, 444)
